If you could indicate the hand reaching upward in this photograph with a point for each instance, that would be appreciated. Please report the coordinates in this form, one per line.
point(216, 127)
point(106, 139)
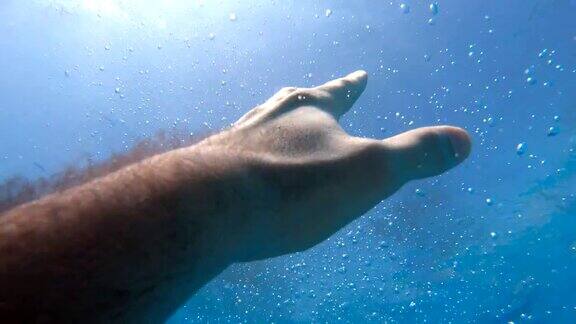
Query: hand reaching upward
point(131, 246)
point(312, 177)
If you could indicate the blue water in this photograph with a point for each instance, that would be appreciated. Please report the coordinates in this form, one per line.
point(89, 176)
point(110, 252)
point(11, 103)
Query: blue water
point(492, 241)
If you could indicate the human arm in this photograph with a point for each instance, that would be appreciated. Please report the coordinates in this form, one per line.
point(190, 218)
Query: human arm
point(133, 245)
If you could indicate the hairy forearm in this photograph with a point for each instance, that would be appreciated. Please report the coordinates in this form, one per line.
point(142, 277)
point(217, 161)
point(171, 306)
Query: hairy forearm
point(133, 243)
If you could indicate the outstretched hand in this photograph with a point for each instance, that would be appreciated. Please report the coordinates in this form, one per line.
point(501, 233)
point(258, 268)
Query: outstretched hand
point(311, 177)
point(132, 245)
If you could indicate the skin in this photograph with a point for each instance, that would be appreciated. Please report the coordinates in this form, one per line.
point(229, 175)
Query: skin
point(133, 245)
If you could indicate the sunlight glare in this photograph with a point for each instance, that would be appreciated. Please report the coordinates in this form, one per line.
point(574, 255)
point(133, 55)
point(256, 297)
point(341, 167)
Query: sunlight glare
point(103, 7)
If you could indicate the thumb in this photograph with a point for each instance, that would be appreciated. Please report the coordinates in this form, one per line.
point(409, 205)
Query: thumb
point(427, 151)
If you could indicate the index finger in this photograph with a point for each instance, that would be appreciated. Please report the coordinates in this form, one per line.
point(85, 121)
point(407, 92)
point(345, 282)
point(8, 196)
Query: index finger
point(344, 92)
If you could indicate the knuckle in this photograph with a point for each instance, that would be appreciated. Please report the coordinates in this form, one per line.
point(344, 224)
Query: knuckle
point(288, 90)
point(301, 93)
point(346, 81)
point(342, 83)
point(299, 96)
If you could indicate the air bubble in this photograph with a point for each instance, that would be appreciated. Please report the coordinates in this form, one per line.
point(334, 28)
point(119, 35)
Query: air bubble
point(434, 8)
point(521, 148)
point(490, 121)
point(328, 12)
point(543, 53)
point(404, 8)
point(553, 131)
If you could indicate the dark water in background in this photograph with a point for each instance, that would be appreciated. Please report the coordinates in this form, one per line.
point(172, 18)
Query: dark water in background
point(94, 77)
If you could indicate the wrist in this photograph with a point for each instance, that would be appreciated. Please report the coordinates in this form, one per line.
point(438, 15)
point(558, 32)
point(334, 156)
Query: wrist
point(229, 192)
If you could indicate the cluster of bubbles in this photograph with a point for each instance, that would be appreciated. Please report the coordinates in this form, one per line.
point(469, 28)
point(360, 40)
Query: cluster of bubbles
point(551, 131)
point(548, 57)
point(434, 9)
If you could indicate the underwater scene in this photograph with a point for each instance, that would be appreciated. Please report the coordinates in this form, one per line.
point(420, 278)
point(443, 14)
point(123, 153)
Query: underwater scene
point(490, 241)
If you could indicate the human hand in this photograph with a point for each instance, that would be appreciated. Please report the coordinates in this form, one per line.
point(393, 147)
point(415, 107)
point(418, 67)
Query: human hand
point(312, 177)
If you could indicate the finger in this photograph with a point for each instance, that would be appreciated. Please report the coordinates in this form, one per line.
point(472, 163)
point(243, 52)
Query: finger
point(427, 151)
point(344, 92)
